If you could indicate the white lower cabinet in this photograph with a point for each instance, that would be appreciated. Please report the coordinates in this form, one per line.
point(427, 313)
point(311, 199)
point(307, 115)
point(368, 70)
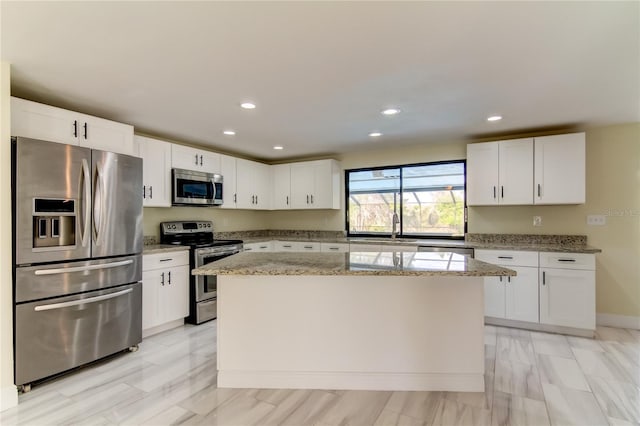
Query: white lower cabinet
point(266, 246)
point(297, 246)
point(165, 288)
point(567, 290)
point(514, 298)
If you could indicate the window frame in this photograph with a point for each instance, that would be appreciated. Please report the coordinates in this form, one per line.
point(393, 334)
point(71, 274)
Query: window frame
point(400, 233)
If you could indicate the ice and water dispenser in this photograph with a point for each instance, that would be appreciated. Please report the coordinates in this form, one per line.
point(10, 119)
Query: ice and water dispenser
point(54, 222)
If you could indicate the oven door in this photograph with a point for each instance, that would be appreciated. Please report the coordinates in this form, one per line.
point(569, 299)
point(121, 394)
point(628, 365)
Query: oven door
point(207, 285)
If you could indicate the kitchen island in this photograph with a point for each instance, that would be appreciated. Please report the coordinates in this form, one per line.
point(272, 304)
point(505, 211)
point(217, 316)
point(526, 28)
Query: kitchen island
point(359, 320)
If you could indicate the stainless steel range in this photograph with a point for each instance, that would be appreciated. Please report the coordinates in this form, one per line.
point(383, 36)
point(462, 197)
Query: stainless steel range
point(198, 236)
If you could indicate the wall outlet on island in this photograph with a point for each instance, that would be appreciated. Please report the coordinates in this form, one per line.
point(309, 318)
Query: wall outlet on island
point(596, 220)
point(537, 221)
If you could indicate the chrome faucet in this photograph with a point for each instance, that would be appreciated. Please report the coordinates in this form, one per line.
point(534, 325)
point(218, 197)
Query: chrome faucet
point(395, 220)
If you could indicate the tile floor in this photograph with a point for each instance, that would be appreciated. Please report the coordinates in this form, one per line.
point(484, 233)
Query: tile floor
point(531, 379)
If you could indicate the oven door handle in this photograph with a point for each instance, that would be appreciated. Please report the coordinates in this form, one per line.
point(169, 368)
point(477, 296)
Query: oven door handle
point(82, 268)
point(82, 301)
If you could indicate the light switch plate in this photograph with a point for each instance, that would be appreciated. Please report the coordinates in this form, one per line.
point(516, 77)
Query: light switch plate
point(537, 221)
point(596, 220)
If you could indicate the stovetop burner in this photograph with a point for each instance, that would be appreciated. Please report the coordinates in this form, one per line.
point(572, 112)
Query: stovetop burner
point(195, 234)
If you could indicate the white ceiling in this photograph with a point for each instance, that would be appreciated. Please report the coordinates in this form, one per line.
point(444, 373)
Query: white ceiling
point(321, 72)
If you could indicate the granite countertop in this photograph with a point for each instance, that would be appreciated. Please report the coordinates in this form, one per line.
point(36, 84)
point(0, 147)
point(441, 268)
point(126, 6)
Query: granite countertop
point(353, 263)
point(162, 248)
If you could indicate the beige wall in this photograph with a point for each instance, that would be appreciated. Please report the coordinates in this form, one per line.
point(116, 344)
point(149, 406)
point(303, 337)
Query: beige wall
point(8, 394)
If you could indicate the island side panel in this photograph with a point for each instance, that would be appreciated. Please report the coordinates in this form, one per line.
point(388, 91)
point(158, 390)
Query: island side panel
point(351, 332)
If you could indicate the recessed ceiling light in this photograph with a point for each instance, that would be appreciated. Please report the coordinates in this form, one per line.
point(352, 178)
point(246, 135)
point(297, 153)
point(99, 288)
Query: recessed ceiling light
point(375, 134)
point(278, 147)
point(391, 111)
point(248, 105)
point(229, 132)
point(494, 118)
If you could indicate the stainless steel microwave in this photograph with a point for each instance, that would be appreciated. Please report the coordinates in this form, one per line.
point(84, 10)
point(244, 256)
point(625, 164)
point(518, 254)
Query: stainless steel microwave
point(190, 187)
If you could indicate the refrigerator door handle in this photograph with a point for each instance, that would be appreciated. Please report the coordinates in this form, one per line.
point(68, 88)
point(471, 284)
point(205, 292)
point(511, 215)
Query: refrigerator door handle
point(98, 205)
point(85, 194)
point(82, 268)
point(82, 301)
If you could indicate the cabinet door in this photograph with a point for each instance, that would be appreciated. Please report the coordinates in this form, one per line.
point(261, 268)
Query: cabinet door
point(515, 160)
point(281, 186)
point(184, 157)
point(39, 121)
point(302, 184)
point(521, 293)
point(567, 298)
point(334, 247)
point(245, 184)
point(106, 135)
point(494, 297)
point(482, 174)
point(156, 171)
point(210, 162)
point(228, 172)
point(175, 293)
point(560, 169)
point(266, 246)
point(151, 286)
point(326, 185)
point(262, 186)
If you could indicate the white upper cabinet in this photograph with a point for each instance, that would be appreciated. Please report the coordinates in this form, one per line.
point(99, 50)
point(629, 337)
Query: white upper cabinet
point(184, 157)
point(253, 185)
point(315, 185)
point(560, 169)
point(39, 121)
point(156, 171)
point(228, 172)
point(500, 172)
point(281, 198)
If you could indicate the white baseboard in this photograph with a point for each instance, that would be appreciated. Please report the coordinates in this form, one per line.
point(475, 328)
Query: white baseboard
point(620, 321)
point(162, 327)
point(350, 380)
point(8, 397)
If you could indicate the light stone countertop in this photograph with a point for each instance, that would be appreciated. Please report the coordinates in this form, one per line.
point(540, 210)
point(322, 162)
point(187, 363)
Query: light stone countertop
point(162, 248)
point(353, 263)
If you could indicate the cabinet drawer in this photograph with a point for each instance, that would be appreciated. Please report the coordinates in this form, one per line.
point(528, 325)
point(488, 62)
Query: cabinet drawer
point(308, 246)
point(266, 246)
point(165, 260)
point(334, 247)
point(568, 261)
point(508, 257)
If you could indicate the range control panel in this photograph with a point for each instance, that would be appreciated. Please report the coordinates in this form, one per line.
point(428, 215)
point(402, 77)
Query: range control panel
point(186, 227)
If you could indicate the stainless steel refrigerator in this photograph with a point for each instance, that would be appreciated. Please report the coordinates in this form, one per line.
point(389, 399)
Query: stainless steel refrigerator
point(77, 255)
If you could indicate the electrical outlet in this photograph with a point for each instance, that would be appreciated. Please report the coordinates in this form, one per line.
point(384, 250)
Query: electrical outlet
point(596, 220)
point(537, 221)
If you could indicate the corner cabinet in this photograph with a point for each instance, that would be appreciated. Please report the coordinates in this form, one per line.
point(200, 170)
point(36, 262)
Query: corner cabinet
point(39, 121)
point(315, 185)
point(165, 290)
point(253, 185)
point(500, 173)
point(185, 157)
point(560, 169)
point(156, 171)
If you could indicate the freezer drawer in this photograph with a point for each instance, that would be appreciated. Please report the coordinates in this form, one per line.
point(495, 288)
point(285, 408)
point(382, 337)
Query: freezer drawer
point(61, 279)
point(55, 335)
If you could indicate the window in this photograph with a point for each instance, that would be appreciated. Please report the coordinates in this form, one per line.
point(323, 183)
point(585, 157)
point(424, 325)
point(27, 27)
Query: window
point(429, 200)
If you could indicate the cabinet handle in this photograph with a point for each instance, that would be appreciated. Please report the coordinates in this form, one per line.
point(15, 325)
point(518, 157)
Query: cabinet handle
point(169, 277)
point(150, 191)
point(509, 279)
point(287, 246)
point(501, 191)
point(162, 281)
point(263, 247)
point(500, 279)
point(85, 131)
point(287, 200)
point(494, 191)
point(544, 278)
point(333, 248)
point(311, 198)
point(256, 199)
point(539, 191)
point(235, 198)
point(201, 160)
point(75, 128)
point(307, 199)
point(308, 247)
point(166, 260)
point(196, 159)
point(248, 248)
point(144, 191)
point(505, 257)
